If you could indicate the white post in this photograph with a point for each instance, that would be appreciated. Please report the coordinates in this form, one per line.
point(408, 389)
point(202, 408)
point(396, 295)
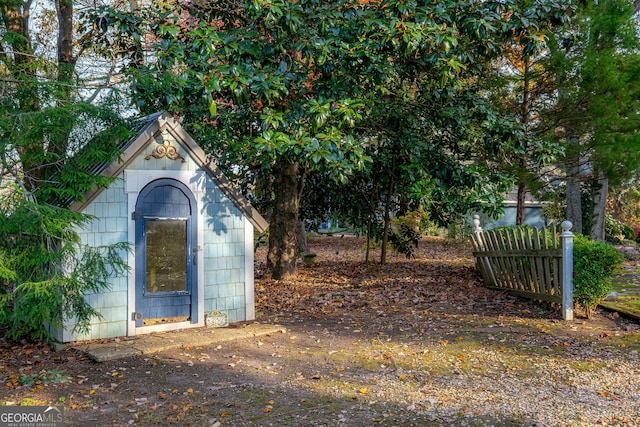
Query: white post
point(476, 224)
point(567, 270)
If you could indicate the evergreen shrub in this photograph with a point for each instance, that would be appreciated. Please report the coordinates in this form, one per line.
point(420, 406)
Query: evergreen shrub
point(628, 233)
point(45, 272)
point(594, 265)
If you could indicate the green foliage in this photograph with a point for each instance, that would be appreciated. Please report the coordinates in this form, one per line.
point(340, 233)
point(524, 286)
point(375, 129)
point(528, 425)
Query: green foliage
point(595, 264)
point(58, 168)
point(44, 377)
point(50, 271)
point(260, 239)
point(517, 84)
point(281, 79)
point(6, 274)
point(52, 142)
point(628, 233)
point(268, 80)
point(45, 272)
point(593, 67)
point(388, 90)
point(554, 210)
point(406, 232)
point(614, 229)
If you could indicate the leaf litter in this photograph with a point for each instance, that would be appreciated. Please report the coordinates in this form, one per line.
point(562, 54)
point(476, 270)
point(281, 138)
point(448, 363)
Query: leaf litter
point(413, 342)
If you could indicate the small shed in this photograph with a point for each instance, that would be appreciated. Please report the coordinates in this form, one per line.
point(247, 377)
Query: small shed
point(190, 233)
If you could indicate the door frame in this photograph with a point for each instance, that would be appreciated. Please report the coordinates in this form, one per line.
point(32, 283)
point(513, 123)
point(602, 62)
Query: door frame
point(135, 181)
point(142, 218)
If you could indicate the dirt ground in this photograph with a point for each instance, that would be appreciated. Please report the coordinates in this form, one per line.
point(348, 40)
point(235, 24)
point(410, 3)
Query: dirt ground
point(415, 342)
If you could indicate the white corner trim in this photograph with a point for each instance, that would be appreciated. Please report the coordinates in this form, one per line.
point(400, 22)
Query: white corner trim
point(249, 285)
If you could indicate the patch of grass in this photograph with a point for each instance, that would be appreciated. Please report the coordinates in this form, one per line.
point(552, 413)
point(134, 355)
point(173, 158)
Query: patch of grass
point(42, 378)
point(587, 366)
point(629, 305)
point(256, 396)
point(625, 342)
point(628, 286)
point(29, 401)
point(364, 358)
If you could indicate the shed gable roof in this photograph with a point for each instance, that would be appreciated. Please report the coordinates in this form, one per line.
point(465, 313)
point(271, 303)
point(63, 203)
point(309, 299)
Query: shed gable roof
point(152, 126)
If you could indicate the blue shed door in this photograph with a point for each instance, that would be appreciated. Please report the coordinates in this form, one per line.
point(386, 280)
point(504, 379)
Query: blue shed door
point(165, 256)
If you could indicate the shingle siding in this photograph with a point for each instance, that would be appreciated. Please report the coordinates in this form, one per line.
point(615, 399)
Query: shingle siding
point(225, 269)
point(109, 227)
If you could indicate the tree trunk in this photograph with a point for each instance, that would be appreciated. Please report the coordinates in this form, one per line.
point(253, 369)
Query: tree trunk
point(281, 259)
point(66, 61)
point(574, 203)
point(59, 141)
point(385, 231)
point(387, 212)
point(15, 17)
point(522, 194)
point(522, 188)
point(301, 238)
point(599, 209)
point(370, 222)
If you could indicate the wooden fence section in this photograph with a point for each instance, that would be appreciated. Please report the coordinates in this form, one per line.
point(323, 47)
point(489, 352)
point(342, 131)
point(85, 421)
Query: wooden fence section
point(523, 261)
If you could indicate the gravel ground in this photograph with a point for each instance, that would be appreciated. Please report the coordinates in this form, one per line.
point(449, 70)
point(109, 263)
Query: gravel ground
point(529, 375)
point(449, 352)
point(417, 342)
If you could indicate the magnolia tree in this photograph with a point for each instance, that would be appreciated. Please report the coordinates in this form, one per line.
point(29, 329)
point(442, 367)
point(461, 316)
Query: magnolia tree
point(278, 89)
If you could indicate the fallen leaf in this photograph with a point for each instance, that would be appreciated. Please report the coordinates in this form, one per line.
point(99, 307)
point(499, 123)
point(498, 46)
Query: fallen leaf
point(608, 395)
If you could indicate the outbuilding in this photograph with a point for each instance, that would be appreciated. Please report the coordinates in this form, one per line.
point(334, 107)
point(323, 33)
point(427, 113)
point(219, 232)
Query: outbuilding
point(190, 233)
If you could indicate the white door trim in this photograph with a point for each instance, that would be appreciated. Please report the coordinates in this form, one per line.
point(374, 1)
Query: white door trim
point(134, 182)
